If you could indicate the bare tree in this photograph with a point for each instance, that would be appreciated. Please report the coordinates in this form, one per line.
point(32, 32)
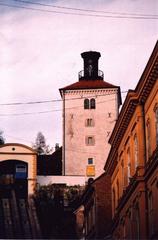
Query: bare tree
point(2, 140)
point(40, 145)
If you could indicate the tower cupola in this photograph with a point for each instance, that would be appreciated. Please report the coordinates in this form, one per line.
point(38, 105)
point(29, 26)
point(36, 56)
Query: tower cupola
point(91, 71)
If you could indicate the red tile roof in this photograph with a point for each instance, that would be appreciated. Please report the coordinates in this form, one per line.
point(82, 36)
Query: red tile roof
point(89, 84)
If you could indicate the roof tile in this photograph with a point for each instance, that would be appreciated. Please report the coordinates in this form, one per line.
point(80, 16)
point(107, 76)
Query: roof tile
point(89, 84)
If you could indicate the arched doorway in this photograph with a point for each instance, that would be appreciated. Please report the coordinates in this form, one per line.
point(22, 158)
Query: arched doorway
point(13, 176)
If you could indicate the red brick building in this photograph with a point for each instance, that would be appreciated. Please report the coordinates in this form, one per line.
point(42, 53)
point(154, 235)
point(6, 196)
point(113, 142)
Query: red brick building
point(93, 216)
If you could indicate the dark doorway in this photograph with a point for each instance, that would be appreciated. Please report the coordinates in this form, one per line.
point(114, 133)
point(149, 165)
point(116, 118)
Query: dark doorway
point(13, 176)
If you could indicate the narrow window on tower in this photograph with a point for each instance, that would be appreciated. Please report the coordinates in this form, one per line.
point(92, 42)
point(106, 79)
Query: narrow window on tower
point(86, 104)
point(90, 141)
point(92, 103)
point(90, 161)
point(89, 122)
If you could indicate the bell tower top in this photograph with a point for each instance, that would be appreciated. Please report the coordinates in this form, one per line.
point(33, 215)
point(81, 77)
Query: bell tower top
point(91, 71)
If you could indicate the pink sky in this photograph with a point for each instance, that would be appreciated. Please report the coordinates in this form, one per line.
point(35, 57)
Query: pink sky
point(40, 53)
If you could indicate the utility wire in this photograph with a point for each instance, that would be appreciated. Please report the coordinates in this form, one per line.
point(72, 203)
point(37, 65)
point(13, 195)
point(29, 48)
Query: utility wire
point(79, 14)
point(85, 10)
point(49, 111)
point(55, 100)
point(28, 113)
point(67, 149)
point(29, 103)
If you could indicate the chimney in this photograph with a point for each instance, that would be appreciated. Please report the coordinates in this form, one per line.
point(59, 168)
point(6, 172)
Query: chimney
point(56, 146)
point(91, 71)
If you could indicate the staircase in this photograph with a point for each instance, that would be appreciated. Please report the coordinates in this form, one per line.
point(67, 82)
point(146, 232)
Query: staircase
point(18, 218)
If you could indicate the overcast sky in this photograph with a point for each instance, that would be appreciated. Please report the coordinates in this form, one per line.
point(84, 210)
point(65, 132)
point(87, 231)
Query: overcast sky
point(40, 53)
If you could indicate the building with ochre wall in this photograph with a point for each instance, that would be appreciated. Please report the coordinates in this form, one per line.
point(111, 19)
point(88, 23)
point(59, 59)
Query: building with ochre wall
point(18, 169)
point(133, 160)
point(90, 110)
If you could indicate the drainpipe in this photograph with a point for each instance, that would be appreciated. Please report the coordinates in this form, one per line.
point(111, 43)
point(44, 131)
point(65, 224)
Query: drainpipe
point(63, 152)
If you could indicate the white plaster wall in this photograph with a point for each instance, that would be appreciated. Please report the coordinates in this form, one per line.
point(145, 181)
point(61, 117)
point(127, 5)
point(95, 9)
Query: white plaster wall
point(76, 151)
point(68, 180)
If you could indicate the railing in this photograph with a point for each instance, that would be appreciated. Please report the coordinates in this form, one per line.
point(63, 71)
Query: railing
point(99, 76)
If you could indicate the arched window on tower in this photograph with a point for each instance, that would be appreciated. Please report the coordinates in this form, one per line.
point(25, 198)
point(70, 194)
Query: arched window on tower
point(86, 104)
point(92, 103)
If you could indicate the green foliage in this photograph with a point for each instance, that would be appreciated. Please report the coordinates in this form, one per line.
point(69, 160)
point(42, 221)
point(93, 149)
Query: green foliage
point(55, 210)
point(69, 194)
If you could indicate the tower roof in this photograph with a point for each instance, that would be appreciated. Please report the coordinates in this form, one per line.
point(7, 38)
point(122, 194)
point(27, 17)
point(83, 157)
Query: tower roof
point(91, 54)
point(91, 77)
point(89, 85)
point(97, 84)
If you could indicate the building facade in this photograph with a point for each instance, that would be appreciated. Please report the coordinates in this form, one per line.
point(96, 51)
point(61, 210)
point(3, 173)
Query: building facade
point(133, 160)
point(93, 215)
point(50, 165)
point(90, 109)
point(18, 168)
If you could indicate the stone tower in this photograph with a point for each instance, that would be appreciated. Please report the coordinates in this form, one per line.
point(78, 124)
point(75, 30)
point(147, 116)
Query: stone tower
point(90, 109)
